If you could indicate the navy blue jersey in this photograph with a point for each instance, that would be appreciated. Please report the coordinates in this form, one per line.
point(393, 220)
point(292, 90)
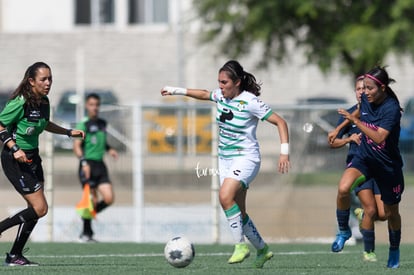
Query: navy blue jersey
point(387, 115)
point(349, 130)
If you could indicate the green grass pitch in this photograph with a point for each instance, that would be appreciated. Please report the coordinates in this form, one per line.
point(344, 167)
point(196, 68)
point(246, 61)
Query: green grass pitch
point(131, 258)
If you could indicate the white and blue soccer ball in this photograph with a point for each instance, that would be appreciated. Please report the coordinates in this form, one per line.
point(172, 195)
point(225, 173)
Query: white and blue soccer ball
point(179, 252)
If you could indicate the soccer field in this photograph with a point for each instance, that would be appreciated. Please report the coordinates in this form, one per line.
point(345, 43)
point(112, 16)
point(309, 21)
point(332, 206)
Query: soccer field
point(130, 258)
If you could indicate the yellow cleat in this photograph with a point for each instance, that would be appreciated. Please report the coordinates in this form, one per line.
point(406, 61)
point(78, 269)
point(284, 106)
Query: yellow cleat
point(263, 255)
point(241, 252)
point(369, 256)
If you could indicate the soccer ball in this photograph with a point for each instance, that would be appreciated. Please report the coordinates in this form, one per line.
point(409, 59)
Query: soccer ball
point(179, 252)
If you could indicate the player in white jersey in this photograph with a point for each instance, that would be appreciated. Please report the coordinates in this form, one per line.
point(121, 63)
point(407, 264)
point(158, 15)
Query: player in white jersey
point(238, 111)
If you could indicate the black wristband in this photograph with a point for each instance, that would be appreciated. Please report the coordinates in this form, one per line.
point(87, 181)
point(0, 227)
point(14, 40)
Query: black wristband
point(5, 136)
point(69, 132)
point(15, 148)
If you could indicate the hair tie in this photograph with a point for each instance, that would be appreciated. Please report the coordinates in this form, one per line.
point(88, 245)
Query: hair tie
point(361, 77)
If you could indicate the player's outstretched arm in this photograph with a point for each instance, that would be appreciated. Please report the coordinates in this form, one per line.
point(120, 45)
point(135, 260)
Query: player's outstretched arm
point(280, 123)
point(56, 129)
point(333, 134)
point(194, 93)
point(340, 142)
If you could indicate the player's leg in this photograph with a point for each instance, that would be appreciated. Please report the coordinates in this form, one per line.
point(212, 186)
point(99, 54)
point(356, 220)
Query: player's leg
point(392, 187)
point(366, 196)
point(252, 233)
point(37, 202)
point(380, 204)
point(227, 196)
point(343, 203)
point(105, 191)
point(87, 231)
point(394, 231)
point(104, 186)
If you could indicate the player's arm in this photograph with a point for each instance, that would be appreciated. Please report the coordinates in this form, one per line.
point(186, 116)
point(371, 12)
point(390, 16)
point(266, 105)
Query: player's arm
point(340, 142)
point(56, 129)
point(78, 150)
point(111, 151)
point(378, 136)
point(283, 130)
point(333, 134)
point(194, 93)
point(7, 140)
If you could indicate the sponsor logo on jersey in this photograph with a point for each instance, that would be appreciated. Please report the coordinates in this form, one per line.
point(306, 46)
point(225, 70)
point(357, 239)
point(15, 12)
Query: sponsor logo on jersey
point(226, 114)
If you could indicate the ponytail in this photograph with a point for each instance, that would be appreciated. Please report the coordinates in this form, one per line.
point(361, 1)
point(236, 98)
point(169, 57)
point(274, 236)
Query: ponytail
point(247, 81)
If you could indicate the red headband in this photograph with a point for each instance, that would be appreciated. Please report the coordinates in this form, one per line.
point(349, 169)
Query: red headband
point(375, 79)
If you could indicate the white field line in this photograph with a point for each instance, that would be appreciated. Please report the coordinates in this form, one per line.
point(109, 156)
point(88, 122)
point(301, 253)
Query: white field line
point(213, 254)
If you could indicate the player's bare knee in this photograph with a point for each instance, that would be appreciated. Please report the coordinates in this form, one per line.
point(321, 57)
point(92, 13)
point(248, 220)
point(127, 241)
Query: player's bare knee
point(226, 200)
point(371, 212)
point(41, 210)
point(343, 193)
point(109, 200)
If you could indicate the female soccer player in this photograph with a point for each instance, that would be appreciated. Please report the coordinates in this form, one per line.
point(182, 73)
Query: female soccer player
point(378, 157)
point(23, 119)
point(238, 112)
point(368, 192)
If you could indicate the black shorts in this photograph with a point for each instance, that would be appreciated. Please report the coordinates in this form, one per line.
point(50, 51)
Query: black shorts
point(26, 178)
point(99, 174)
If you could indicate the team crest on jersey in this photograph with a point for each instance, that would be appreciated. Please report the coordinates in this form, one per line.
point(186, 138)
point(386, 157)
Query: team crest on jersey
point(241, 106)
point(30, 130)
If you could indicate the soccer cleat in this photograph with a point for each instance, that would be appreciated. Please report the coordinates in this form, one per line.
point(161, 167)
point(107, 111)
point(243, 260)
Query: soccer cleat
point(84, 238)
point(369, 256)
point(359, 214)
point(241, 252)
point(18, 260)
point(340, 240)
point(263, 255)
point(394, 259)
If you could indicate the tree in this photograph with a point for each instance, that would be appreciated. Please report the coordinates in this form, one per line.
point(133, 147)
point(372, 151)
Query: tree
point(356, 34)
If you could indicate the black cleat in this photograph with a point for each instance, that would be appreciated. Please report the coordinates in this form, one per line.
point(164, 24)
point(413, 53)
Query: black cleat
point(18, 260)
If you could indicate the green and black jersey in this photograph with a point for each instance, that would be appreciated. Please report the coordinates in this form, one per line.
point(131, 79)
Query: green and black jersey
point(24, 122)
point(94, 145)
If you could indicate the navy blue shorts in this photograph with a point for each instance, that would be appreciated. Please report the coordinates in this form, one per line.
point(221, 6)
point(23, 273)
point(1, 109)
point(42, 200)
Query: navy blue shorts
point(390, 180)
point(368, 184)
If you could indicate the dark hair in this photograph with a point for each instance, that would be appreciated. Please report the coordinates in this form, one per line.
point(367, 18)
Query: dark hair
point(381, 78)
point(235, 72)
point(94, 96)
point(25, 89)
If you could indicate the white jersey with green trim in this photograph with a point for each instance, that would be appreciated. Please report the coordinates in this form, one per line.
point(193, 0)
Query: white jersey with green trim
point(237, 120)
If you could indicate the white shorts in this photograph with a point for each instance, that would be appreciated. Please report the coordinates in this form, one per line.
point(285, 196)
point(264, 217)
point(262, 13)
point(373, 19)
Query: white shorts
point(241, 169)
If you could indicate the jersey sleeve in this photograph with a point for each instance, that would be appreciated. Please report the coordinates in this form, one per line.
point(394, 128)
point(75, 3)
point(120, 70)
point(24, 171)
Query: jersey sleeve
point(216, 95)
point(81, 125)
point(391, 116)
point(260, 109)
point(12, 112)
point(343, 130)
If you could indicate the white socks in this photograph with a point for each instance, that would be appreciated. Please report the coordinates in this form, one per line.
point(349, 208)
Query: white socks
point(234, 218)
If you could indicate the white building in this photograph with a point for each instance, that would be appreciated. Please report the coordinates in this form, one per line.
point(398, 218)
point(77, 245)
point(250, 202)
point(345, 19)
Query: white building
point(137, 46)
